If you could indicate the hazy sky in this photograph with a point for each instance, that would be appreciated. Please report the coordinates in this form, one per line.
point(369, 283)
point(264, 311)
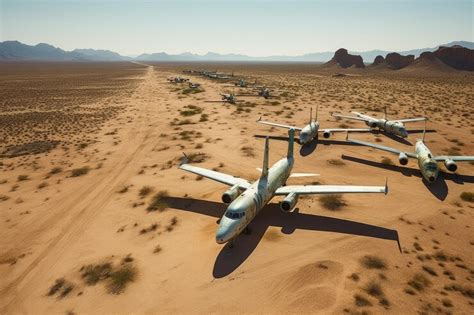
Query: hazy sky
point(256, 28)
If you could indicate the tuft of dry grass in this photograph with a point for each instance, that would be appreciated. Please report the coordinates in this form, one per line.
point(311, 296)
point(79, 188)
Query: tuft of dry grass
point(80, 171)
point(119, 279)
point(145, 191)
point(373, 262)
point(157, 202)
point(467, 196)
point(332, 202)
point(336, 162)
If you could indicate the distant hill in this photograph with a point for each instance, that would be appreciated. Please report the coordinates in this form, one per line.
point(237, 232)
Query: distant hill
point(14, 50)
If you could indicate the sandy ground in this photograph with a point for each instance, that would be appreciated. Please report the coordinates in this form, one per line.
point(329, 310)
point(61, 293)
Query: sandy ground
point(307, 261)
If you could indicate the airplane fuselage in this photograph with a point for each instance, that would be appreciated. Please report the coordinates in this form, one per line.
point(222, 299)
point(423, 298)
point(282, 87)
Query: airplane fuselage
point(428, 166)
point(390, 126)
point(247, 205)
point(309, 132)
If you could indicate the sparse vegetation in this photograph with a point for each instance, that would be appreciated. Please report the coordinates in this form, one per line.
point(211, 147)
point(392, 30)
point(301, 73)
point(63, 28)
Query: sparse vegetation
point(336, 162)
point(373, 262)
point(80, 171)
point(467, 196)
point(247, 151)
point(145, 191)
point(22, 178)
point(120, 278)
point(361, 301)
point(332, 202)
point(157, 202)
point(419, 282)
point(91, 274)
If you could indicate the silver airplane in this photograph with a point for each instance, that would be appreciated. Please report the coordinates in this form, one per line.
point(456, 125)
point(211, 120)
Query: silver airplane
point(427, 162)
point(194, 85)
point(177, 80)
point(395, 127)
point(311, 131)
point(246, 199)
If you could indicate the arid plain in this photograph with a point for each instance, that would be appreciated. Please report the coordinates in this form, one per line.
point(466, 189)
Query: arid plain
point(96, 217)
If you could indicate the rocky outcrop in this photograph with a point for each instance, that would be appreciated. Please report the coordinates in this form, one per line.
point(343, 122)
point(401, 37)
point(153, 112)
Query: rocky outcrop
point(458, 57)
point(346, 60)
point(378, 61)
point(397, 61)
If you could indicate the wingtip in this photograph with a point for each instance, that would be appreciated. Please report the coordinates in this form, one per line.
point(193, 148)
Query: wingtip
point(184, 160)
point(259, 118)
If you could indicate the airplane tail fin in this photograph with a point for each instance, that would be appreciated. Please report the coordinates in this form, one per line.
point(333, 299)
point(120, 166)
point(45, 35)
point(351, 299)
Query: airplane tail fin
point(291, 142)
point(265, 159)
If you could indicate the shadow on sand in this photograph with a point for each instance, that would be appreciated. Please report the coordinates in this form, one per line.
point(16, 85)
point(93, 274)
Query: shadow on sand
point(439, 188)
point(310, 147)
point(229, 259)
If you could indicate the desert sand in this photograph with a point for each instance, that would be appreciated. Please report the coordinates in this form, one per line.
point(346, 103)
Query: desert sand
point(86, 147)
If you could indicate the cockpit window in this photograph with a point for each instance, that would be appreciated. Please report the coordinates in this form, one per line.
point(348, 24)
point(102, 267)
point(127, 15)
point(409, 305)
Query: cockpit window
point(431, 167)
point(235, 215)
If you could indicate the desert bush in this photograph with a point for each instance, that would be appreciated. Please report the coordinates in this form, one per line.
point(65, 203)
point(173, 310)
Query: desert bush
point(247, 151)
point(80, 171)
point(123, 190)
point(43, 185)
point(197, 157)
point(22, 178)
point(467, 196)
point(361, 301)
point(419, 282)
point(374, 289)
point(429, 270)
point(373, 262)
point(157, 202)
point(332, 202)
point(145, 191)
point(55, 170)
point(58, 284)
point(4, 198)
point(91, 274)
point(119, 279)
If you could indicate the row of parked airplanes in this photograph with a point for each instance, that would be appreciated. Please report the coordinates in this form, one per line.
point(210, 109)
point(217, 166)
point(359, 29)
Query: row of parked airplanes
point(246, 199)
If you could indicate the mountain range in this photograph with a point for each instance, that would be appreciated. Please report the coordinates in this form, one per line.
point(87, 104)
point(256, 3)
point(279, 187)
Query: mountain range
point(14, 50)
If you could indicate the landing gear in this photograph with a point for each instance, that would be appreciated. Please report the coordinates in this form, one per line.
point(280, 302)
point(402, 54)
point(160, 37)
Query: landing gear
point(247, 231)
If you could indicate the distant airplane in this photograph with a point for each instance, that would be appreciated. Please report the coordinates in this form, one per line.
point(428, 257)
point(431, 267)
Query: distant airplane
point(177, 80)
point(194, 85)
point(427, 163)
point(246, 199)
point(309, 132)
point(395, 127)
point(243, 84)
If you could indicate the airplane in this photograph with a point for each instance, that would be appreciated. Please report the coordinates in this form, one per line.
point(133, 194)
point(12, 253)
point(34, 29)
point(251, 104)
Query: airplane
point(427, 162)
point(227, 98)
point(395, 127)
point(246, 199)
point(243, 84)
point(263, 91)
point(194, 85)
point(177, 80)
point(310, 132)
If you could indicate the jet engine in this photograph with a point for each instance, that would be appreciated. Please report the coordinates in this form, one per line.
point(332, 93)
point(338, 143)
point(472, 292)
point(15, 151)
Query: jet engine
point(371, 123)
point(289, 202)
point(403, 158)
point(450, 165)
point(326, 134)
point(230, 194)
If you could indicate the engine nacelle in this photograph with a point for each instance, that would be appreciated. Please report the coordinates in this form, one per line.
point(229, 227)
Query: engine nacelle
point(371, 123)
point(403, 158)
point(326, 134)
point(230, 194)
point(289, 202)
point(450, 165)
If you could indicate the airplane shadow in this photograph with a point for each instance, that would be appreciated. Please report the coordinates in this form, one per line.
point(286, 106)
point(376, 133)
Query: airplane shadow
point(308, 148)
point(229, 259)
point(439, 188)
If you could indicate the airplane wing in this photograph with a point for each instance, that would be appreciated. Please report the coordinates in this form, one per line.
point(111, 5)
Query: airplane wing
point(217, 176)
point(411, 119)
point(278, 125)
point(442, 158)
point(329, 189)
point(294, 174)
point(346, 130)
point(381, 147)
point(349, 117)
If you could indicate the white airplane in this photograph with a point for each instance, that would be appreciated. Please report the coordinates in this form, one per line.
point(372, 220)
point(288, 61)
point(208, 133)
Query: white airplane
point(311, 130)
point(246, 199)
point(395, 127)
point(427, 162)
